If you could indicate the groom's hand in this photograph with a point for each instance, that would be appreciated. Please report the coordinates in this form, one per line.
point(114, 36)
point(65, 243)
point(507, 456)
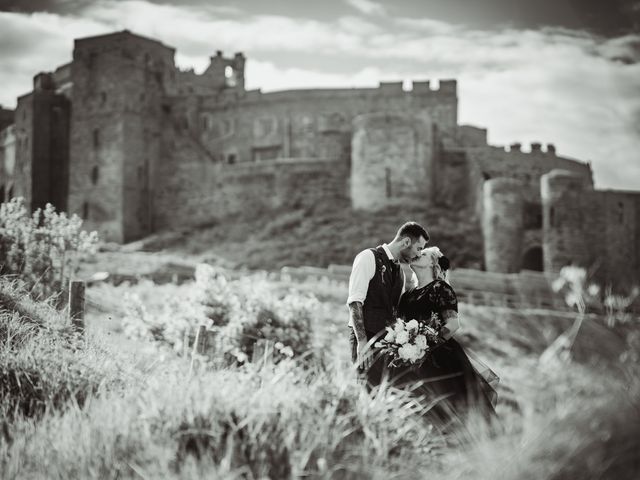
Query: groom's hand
point(365, 358)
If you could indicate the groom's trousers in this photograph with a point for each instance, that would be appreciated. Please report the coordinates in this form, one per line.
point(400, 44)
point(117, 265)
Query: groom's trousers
point(372, 377)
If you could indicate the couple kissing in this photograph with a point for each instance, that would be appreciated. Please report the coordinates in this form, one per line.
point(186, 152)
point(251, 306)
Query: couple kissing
point(402, 331)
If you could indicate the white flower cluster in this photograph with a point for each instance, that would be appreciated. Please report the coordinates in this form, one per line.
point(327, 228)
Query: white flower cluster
point(408, 342)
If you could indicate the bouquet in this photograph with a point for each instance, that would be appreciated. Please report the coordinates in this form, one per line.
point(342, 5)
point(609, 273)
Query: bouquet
point(409, 343)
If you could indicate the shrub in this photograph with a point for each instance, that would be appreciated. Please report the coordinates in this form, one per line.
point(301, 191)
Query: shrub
point(41, 249)
point(239, 312)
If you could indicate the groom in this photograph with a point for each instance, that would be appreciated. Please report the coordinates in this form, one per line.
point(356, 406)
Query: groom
point(375, 286)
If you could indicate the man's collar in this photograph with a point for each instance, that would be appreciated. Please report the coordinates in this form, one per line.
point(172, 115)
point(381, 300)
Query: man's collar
point(385, 247)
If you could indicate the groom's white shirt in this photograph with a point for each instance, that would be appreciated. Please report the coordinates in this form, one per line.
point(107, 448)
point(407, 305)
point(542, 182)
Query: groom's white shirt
point(363, 270)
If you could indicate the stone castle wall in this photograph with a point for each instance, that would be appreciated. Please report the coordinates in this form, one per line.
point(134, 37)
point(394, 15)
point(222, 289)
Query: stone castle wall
point(197, 190)
point(7, 162)
point(253, 126)
point(596, 229)
point(392, 159)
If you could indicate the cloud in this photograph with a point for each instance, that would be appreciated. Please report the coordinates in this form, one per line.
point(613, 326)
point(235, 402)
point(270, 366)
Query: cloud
point(578, 91)
point(368, 7)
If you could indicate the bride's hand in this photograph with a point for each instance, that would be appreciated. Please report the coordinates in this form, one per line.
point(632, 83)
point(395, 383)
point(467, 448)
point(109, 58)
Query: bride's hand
point(451, 323)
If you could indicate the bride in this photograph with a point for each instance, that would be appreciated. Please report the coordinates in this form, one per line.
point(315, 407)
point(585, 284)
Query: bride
point(448, 374)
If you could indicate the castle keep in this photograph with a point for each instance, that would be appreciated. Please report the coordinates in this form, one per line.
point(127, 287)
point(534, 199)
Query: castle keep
point(134, 145)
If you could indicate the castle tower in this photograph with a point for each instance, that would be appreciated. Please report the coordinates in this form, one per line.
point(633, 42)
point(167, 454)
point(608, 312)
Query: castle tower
point(566, 221)
point(391, 159)
point(118, 84)
point(502, 224)
point(42, 145)
point(225, 73)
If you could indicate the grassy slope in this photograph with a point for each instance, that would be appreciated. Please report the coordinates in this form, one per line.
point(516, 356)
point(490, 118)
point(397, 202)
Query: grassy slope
point(330, 232)
point(577, 420)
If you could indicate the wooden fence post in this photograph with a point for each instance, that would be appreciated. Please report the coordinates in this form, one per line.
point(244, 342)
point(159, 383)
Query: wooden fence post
point(262, 351)
point(76, 305)
point(199, 345)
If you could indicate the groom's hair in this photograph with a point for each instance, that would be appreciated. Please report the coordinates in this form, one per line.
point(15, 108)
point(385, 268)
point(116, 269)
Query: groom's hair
point(413, 230)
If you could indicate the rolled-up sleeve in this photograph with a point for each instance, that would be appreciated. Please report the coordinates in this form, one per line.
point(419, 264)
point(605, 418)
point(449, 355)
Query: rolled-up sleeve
point(363, 270)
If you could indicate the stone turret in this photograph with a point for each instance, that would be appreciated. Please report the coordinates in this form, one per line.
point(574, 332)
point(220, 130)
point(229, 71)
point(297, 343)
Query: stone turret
point(565, 224)
point(502, 224)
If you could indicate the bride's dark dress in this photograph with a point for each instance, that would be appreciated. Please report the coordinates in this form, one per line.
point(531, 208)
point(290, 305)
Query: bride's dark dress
point(448, 376)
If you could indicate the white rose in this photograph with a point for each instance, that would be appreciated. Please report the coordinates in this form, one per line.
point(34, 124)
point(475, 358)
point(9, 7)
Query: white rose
point(413, 353)
point(404, 352)
point(421, 341)
point(412, 325)
point(402, 337)
point(399, 327)
point(391, 335)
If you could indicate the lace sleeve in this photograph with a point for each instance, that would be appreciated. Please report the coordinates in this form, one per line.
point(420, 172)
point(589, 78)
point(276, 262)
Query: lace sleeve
point(445, 297)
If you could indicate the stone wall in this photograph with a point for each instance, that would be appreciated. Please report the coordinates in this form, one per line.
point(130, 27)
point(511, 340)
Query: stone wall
point(569, 225)
point(7, 161)
point(502, 225)
point(50, 149)
point(196, 190)
point(391, 160)
point(6, 117)
point(492, 162)
point(303, 123)
point(595, 229)
point(620, 231)
point(24, 137)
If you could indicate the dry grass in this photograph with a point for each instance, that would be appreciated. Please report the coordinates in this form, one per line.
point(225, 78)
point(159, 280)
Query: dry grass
point(150, 420)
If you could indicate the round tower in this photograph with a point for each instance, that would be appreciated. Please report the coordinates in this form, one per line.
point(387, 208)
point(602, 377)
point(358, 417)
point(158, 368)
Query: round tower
point(502, 224)
point(564, 237)
point(391, 159)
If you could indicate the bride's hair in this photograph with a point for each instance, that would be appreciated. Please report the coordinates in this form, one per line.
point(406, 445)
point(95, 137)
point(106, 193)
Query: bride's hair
point(438, 259)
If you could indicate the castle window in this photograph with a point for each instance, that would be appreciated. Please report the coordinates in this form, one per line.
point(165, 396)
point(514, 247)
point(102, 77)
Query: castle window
point(532, 216)
point(95, 174)
point(206, 124)
point(620, 212)
point(231, 158)
point(227, 126)
point(230, 76)
point(96, 138)
point(85, 210)
point(388, 181)
point(264, 126)
point(552, 216)
point(103, 98)
point(10, 195)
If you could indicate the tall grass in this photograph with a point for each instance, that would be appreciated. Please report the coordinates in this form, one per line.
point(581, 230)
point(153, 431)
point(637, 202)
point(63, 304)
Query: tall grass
point(97, 414)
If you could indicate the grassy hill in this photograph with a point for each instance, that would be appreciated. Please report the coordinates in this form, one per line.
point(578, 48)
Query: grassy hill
point(329, 232)
point(89, 408)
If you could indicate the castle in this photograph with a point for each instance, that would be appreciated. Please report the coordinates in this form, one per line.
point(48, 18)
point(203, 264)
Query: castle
point(134, 145)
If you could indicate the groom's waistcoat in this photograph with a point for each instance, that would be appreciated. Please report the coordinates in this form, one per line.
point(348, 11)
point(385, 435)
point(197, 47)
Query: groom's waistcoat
point(379, 306)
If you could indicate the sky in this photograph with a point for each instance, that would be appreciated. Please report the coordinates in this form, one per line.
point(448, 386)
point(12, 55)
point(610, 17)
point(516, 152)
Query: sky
point(565, 72)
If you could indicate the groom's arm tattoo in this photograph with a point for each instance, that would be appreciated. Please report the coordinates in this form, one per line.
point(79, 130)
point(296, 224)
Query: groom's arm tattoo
point(357, 320)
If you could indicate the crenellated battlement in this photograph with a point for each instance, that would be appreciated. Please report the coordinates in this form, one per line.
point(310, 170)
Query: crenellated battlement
point(535, 148)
